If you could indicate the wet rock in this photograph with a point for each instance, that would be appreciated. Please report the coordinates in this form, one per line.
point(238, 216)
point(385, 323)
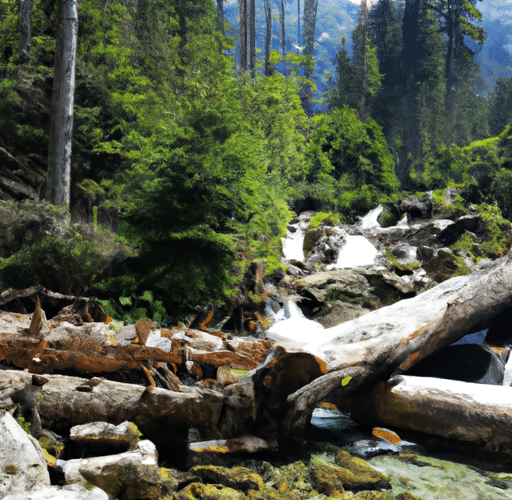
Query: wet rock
point(389, 216)
point(469, 223)
point(322, 244)
point(22, 463)
point(416, 208)
point(338, 312)
point(358, 475)
point(240, 478)
point(132, 475)
point(200, 491)
point(69, 492)
point(108, 438)
point(326, 478)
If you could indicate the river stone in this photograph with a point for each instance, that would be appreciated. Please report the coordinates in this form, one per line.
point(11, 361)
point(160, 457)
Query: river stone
point(104, 435)
point(22, 464)
point(200, 491)
point(332, 285)
point(68, 492)
point(132, 475)
point(358, 475)
point(338, 312)
point(239, 478)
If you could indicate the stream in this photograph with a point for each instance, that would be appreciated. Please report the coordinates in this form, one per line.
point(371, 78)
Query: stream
point(427, 467)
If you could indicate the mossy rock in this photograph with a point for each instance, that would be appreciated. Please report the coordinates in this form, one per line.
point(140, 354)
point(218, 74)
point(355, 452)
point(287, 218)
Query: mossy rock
point(240, 478)
point(326, 478)
point(372, 495)
point(131, 482)
point(200, 491)
point(446, 265)
point(358, 475)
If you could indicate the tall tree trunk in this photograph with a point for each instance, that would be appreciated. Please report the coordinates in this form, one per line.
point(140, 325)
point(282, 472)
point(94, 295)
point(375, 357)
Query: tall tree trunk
point(25, 40)
point(252, 35)
point(298, 23)
point(243, 34)
point(220, 15)
point(310, 8)
point(283, 30)
point(61, 122)
point(268, 38)
point(410, 59)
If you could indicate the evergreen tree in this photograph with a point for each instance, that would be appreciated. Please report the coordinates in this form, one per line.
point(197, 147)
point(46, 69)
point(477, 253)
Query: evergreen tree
point(500, 110)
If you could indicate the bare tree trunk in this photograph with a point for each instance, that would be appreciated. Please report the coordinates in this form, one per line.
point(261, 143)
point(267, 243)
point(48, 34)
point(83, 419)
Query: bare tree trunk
point(25, 40)
point(283, 30)
point(268, 38)
point(220, 15)
point(298, 23)
point(252, 35)
point(61, 124)
point(243, 35)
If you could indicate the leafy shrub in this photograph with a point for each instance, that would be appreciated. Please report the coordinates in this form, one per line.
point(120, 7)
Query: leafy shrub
point(45, 249)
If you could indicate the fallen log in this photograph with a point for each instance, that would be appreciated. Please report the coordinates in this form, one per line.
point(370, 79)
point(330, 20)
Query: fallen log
point(162, 415)
point(451, 409)
point(390, 340)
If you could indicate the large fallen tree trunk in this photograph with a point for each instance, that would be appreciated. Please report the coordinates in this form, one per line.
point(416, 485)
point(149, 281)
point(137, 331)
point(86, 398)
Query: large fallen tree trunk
point(162, 415)
point(480, 414)
point(390, 340)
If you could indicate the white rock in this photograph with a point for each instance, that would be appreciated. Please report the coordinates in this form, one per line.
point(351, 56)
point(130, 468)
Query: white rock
point(22, 464)
point(144, 454)
point(69, 492)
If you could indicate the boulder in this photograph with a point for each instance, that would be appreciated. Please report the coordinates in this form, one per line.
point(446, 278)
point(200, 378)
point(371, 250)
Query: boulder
point(107, 437)
point(239, 478)
point(416, 208)
point(69, 492)
point(22, 463)
point(132, 475)
point(322, 244)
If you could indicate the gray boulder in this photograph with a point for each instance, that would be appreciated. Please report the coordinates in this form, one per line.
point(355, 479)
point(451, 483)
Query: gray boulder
point(22, 464)
point(69, 492)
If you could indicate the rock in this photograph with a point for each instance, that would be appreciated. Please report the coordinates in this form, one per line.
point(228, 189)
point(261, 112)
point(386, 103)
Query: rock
point(472, 223)
point(465, 362)
point(69, 492)
point(240, 478)
point(132, 475)
point(322, 244)
point(107, 437)
point(389, 216)
point(22, 464)
point(416, 208)
point(326, 478)
point(200, 491)
point(358, 475)
point(38, 324)
point(338, 312)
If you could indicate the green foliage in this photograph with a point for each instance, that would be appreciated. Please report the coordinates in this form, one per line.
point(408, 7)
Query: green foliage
point(44, 250)
point(324, 218)
point(24, 424)
point(350, 162)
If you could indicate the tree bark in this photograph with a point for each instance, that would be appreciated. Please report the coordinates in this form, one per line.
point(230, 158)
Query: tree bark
point(220, 15)
point(243, 34)
point(449, 409)
point(25, 7)
point(283, 30)
point(268, 38)
point(61, 122)
point(252, 36)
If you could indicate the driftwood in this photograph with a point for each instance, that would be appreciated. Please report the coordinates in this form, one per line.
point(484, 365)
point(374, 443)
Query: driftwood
point(390, 340)
point(161, 415)
point(451, 409)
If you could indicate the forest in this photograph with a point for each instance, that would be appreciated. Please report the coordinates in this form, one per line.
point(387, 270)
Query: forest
point(193, 145)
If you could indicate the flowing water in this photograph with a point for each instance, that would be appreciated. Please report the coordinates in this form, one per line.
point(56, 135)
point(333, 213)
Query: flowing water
point(430, 472)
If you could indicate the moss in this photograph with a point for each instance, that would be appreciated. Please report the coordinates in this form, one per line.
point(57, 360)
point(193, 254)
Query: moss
point(10, 469)
point(407, 268)
point(199, 491)
point(240, 478)
point(325, 219)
